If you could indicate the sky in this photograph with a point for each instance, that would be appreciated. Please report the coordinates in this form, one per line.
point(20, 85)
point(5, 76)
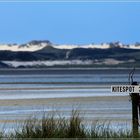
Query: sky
point(70, 22)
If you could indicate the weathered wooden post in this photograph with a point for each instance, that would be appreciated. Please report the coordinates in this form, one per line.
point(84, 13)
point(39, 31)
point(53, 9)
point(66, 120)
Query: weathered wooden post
point(135, 105)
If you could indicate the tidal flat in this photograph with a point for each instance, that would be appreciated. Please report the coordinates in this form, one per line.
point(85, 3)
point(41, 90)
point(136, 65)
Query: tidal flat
point(28, 92)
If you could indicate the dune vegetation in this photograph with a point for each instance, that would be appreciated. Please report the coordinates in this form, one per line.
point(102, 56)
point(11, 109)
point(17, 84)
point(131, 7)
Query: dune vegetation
point(50, 126)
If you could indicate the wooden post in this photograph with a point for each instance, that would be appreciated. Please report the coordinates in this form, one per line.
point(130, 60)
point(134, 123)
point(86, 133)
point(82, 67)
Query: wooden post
point(135, 123)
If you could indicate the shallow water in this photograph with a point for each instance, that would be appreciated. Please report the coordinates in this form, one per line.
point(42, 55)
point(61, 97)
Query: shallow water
point(66, 84)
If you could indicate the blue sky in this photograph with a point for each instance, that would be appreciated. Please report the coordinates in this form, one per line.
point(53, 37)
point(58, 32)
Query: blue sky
point(70, 23)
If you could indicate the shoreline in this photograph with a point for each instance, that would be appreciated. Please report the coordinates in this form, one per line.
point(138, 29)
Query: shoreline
point(63, 71)
point(69, 68)
point(45, 101)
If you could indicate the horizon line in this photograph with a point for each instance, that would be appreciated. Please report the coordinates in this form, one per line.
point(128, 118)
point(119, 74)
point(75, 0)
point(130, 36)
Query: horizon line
point(93, 43)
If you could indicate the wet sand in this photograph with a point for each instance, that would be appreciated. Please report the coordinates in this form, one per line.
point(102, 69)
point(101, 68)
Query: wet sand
point(42, 101)
point(63, 90)
point(108, 108)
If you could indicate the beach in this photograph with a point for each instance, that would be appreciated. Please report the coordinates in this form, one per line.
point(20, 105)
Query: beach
point(23, 95)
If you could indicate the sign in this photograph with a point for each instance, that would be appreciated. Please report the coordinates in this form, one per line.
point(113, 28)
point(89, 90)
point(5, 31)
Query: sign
point(125, 88)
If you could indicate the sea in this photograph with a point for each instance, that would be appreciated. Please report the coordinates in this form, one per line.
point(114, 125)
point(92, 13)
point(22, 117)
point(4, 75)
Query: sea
point(26, 93)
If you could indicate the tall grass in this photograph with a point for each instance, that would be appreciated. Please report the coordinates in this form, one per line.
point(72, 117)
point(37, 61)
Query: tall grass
point(50, 126)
